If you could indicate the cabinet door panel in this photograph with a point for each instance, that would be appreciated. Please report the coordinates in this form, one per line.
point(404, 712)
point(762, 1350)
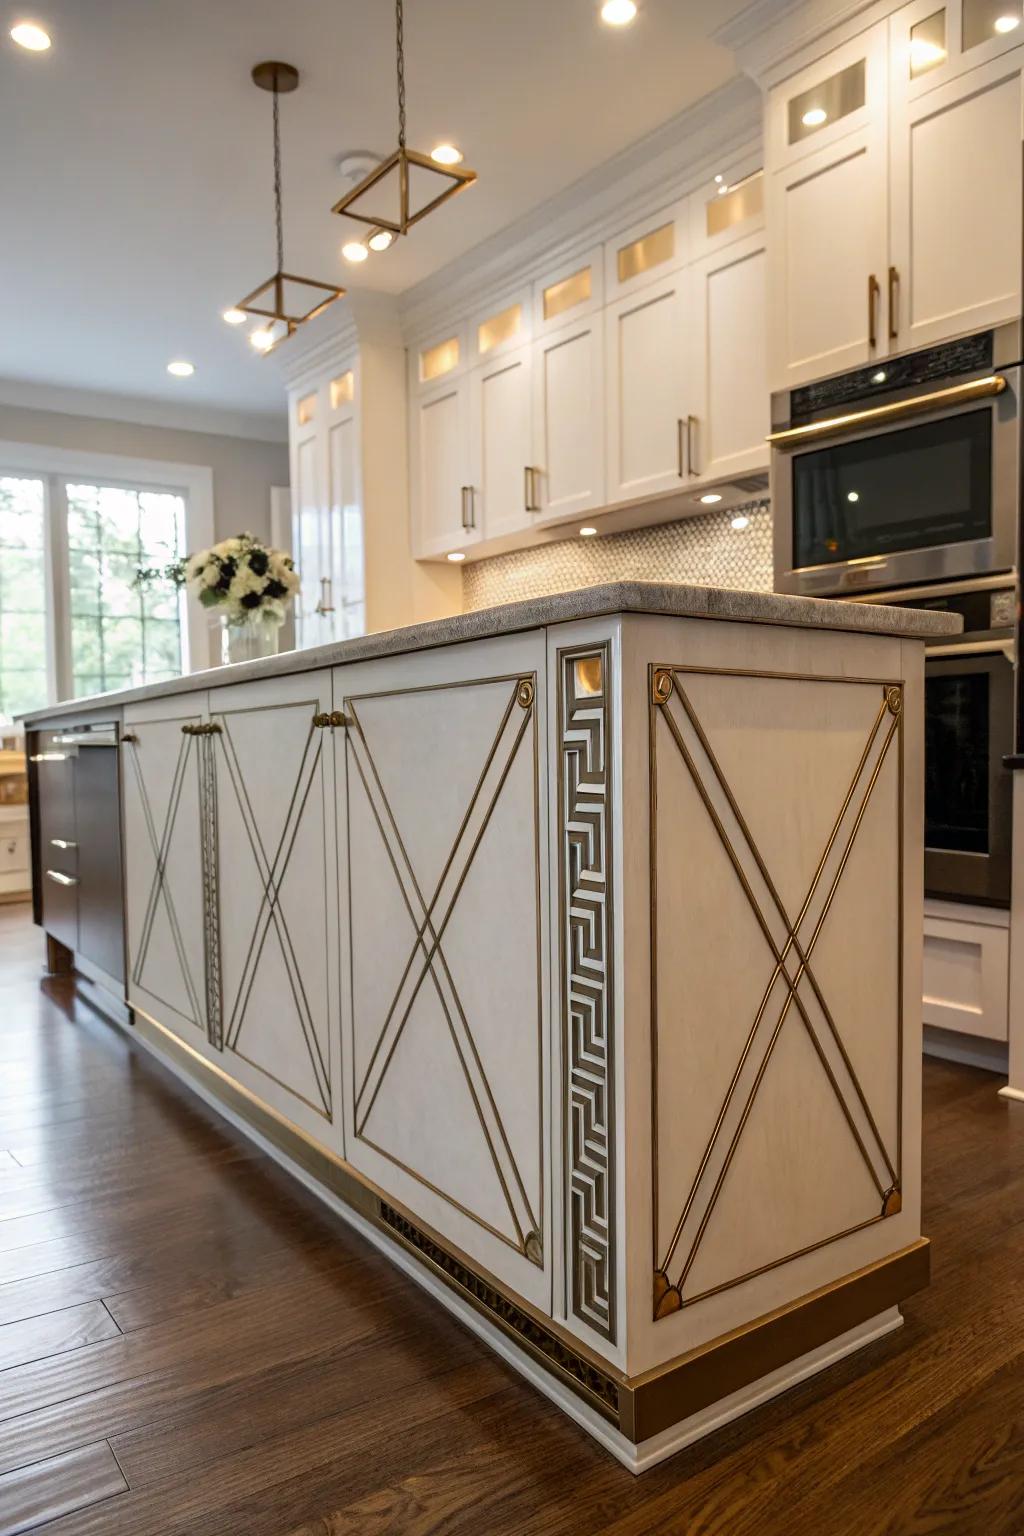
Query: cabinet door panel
point(827, 216)
point(647, 345)
point(568, 419)
point(164, 908)
point(312, 536)
point(347, 590)
point(443, 824)
point(500, 416)
point(731, 362)
point(956, 205)
point(440, 468)
point(276, 898)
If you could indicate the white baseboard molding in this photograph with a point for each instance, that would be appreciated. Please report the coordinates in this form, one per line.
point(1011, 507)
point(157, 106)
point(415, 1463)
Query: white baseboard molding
point(967, 1050)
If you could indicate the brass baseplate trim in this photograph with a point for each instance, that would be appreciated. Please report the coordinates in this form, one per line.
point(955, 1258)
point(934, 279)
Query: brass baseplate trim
point(640, 1406)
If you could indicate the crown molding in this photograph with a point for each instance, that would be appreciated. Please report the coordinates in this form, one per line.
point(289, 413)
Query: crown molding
point(361, 318)
point(668, 163)
point(767, 35)
point(143, 411)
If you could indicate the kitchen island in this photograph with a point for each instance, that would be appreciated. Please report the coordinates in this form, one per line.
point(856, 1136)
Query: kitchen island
point(572, 951)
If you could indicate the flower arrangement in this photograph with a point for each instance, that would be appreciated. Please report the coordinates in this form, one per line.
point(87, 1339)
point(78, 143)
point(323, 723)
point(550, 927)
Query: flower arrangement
point(249, 582)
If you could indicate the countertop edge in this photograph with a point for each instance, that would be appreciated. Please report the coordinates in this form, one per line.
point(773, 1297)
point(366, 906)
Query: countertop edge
point(626, 597)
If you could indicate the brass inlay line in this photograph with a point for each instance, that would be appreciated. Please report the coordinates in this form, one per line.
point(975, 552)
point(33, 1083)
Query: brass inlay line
point(668, 1296)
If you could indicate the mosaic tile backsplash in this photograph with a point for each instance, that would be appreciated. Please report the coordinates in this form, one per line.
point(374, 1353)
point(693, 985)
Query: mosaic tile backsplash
point(704, 551)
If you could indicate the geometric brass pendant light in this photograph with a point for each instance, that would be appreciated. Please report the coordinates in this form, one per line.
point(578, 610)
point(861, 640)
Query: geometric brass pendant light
point(287, 296)
point(406, 184)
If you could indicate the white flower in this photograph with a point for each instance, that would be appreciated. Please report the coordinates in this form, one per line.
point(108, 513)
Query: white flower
point(211, 574)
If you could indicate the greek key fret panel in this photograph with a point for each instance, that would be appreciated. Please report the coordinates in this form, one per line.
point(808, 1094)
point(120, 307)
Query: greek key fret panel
point(585, 918)
point(211, 900)
point(792, 990)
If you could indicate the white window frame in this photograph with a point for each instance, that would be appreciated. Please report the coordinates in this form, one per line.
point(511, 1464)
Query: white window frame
point(192, 482)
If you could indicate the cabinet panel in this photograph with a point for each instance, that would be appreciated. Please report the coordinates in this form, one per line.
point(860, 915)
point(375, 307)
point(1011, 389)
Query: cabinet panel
point(442, 817)
point(648, 250)
point(731, 360)
point(346, 592)
point(164, 910)
point(568, 419)
point(646, 396)
point(828, 260)
point(276, 897)
point(956, 205)
point(312, 541)
point(842, 92)
point(500, 426)
point(443, 512)
point(966, 973)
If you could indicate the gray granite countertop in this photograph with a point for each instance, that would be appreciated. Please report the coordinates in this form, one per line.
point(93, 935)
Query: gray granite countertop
point(651, 597)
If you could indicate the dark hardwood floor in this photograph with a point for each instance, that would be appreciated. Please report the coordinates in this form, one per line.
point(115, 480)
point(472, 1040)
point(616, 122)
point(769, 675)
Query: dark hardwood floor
point(191, 1346)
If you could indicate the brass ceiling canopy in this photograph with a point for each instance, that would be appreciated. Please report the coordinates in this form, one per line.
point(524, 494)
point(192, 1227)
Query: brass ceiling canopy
point(404, 168)
point(284, 291)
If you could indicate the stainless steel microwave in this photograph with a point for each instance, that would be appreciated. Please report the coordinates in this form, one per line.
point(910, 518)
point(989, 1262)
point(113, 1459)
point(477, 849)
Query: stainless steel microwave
point(902, 472)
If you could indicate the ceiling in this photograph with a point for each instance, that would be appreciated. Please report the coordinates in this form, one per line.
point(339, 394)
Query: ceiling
point(137, 204)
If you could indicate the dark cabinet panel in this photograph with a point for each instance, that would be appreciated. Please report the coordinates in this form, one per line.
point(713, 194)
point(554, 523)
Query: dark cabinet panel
point(100, 891)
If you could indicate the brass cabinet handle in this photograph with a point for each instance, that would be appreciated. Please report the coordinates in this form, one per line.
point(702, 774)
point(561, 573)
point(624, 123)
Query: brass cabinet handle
point(530, 502)
point(679, 447)
point(60, 879)
point(321, 719)
point(468, 509)
point(874, 294)
point(894, 294)
point(325, 605)
point(324, 721)
point(208, 728)
point(338, 719)
point(691, 457)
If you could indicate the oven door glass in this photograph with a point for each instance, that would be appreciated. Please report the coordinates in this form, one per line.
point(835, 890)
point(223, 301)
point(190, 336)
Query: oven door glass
point(968, 728)
point(914, 488)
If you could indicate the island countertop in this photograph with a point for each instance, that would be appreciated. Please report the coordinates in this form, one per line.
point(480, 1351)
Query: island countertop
point(667, 599)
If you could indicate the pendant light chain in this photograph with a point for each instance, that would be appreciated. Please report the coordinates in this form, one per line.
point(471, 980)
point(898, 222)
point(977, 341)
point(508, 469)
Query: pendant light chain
point(401, 73)
point(277, 181)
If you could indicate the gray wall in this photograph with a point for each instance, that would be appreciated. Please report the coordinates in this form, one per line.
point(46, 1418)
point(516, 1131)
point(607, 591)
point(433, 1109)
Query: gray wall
point(243, 469)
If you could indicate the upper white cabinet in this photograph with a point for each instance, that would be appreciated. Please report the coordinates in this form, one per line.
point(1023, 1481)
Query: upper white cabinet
point(649, 398)
point(568, 419)
point(895, 193)
point(728, 321)
point(443, 502)
point(501, 434)
point(827, 214)
point(955, 162)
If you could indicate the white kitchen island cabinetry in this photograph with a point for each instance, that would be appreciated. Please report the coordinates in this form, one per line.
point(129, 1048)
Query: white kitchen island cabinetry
point(573, 950)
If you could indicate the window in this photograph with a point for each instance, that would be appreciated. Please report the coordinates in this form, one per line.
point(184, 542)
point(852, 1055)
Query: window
point(74, 530)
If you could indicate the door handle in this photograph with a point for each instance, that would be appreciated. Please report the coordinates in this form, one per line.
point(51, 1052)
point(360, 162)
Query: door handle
point(874, 294)
point(691, 457)
point(894, 294)
point(467, 493)
point(325, 605)
point(681, 468)
point(60, 879)
point(62, 842)
point(530, 502)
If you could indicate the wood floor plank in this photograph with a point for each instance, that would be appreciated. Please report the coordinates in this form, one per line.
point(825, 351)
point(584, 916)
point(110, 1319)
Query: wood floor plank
point(41, 1493)
point(38, 1338)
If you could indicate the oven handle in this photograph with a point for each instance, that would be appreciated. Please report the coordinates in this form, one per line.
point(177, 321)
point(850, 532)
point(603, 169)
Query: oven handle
point(956, 394)
point(970, 648)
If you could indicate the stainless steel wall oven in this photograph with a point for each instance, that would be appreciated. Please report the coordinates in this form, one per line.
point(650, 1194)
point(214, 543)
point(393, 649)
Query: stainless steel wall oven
point(903, 472)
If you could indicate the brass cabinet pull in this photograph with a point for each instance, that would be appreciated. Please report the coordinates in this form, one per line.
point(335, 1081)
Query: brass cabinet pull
point(468, 508)
point(325, 605)
point(679, 447)
point(874, 294)
point(338, 719)
point(530, 502)
point(894, 294)
point(209, 728)
point(691, 456)
point(321, 719)
point(61, 879)
point(324, 721)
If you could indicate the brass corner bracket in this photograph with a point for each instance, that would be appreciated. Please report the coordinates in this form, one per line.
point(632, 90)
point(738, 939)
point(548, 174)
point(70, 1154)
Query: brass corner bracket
point(894, 701)
point(667, 1297)
point(525, 693)
point(893, 1202)
point(661, 686)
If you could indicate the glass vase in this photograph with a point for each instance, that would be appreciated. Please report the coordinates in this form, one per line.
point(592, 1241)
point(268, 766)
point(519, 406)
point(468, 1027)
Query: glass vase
point(250, 640)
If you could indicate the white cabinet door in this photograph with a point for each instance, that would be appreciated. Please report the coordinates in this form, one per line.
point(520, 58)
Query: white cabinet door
point(569, 419)
point(730, 369)
point(277, 897)
point(444, 517)
point(956, 204)
point(442, 816)
point(163, 862)
point(311, 537)
point(500, 428)
point(647, 401)
point(346, 591)
point(828, 260)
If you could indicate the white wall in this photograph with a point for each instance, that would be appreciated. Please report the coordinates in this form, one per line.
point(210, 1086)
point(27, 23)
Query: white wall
point(244, 469)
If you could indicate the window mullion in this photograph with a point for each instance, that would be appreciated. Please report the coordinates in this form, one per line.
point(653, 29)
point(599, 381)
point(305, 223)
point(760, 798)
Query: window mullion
point(58, 588)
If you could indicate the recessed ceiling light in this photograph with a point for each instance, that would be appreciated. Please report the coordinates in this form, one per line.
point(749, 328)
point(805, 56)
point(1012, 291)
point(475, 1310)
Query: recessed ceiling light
point(27, 35)
point(1001, 24)
point(380, 240)
point(723, 188)
point(618, 13)
point(234, 316)
point(354, 250)
point(181, 369)
point(587, 533)
point(719, 177)
point(262, 340)
point(456, 555)
point(814, 117)
point(709, 498)
point(739, 523)
point(446, 154)
point(853, 495)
